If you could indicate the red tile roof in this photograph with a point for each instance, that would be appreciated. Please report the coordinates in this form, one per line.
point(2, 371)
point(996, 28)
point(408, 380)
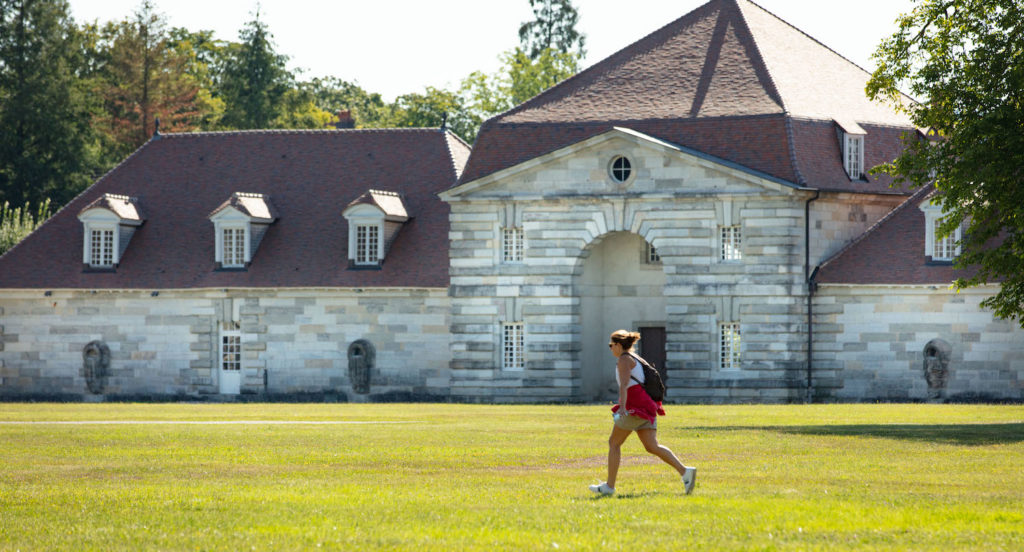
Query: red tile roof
point(311, 176)
point(728, 79)
point(892, 251)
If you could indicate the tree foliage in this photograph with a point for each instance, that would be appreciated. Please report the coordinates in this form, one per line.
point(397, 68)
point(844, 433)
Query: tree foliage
point(553, 28)
point(18, 222)
point(144, 77)
point(255, 79)
point(45, 141)
point(965, 58)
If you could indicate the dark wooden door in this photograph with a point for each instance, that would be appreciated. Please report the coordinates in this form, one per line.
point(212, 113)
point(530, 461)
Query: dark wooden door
point(652, 347)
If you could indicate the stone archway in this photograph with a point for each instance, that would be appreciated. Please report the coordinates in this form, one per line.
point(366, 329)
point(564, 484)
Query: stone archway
point(617, 288)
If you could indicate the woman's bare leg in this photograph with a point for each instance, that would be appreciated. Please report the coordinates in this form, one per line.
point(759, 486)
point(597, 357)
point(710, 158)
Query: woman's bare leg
point(649, 437)
point(615, 441)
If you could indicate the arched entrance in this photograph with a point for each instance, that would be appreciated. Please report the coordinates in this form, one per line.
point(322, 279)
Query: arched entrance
point(620, 285)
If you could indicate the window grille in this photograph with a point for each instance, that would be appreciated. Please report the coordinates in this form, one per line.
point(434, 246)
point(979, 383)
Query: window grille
point(512, 245)
point(854, 155)
point(101, 248)
point(729, 350)
point(231, 351)
point(731, 242)
point(651, 254)
point(945, 249)
point(512, 346)
point(620, 169)
point(234, 247)
point(367, 243)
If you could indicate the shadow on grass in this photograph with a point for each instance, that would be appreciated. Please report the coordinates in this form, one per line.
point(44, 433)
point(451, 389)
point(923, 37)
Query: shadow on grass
point(951, 434)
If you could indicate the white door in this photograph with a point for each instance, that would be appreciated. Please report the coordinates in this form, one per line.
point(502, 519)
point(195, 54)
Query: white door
point(230, 373)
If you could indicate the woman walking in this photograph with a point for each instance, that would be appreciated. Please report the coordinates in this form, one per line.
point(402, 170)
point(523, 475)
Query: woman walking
point(636, 411)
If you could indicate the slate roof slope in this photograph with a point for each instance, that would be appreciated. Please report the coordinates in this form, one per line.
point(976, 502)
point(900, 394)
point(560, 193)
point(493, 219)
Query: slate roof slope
point(891, 252)
point(729, 79)
point(310, 176)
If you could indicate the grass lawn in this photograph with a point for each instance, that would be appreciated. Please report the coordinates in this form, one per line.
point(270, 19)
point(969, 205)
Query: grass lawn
point(467, 477)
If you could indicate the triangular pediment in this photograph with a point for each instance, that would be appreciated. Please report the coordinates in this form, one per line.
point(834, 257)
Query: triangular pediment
point(586, 168)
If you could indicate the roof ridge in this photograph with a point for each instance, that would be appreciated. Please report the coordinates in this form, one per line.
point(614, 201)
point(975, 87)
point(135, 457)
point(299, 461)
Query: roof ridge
point(924, 191)
point(760, 55)
point(621, 53)
point(286, 131)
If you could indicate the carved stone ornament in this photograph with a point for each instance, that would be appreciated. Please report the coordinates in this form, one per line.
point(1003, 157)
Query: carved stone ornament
point(937, 354)
point(96, 366)
point(361, 357)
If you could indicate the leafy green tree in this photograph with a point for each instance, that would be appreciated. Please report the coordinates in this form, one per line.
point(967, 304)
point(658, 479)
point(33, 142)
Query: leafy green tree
point(145, 78)
point(18, 222)
point(432, 109)
point(205, 58)
point(519, 79)
point(45, 134)
point(299, 110)
point(965, 58)
point(255, 79)
point(553, 27)
point(332, 94)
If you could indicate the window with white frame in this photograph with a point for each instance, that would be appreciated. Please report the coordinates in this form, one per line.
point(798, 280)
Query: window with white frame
point(947, 248)
point(367, 243)
point(512, 346)
point(651, 254)
point(853, 155)
point(101, 247)
point(512, 245)
point(729, 346)
point(230, 350)
point(731, 237)
point(232, 246)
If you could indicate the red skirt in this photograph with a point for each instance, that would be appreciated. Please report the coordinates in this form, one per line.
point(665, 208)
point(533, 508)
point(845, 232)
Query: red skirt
point(640, 404)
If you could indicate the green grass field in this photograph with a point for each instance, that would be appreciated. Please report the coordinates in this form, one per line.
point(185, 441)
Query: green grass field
point(465, 477)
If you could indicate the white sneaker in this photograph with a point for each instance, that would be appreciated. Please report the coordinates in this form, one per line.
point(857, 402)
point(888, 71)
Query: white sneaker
point(689, 478)
point(602, 489)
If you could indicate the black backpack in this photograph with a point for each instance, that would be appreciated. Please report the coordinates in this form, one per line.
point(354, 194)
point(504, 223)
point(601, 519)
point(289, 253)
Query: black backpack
point(652, 380)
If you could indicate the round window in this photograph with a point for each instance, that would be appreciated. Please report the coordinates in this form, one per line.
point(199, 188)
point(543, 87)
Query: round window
point(621, 169)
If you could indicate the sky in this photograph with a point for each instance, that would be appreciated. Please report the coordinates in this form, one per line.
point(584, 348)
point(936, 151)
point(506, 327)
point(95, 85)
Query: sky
point(395, 47)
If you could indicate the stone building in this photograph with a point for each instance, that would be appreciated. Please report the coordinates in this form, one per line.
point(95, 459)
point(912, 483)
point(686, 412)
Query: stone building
point(707, 185)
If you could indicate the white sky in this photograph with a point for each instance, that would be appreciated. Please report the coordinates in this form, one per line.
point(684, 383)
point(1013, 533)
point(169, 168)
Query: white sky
point(399, 46)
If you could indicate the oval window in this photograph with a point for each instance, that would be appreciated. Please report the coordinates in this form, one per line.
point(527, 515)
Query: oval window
point(621, 169)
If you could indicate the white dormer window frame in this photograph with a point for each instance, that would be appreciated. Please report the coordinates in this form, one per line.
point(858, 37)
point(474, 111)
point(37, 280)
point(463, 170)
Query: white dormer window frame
point(233, 221)
point(939, 249)
point(98, 252)
point(365, 235)
point(853, 155)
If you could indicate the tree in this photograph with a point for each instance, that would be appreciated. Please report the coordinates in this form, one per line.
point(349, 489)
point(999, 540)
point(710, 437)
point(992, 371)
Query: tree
point(145, 78)
point(18, 222)
point(553, 27)
point(965, 58)
point(45, 138)
point(332, 94)
point(432, 109)
point(519, 79)
point(255, 79)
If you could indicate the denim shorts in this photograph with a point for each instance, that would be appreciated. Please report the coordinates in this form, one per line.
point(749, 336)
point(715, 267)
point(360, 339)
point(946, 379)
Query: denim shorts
point(633, 423)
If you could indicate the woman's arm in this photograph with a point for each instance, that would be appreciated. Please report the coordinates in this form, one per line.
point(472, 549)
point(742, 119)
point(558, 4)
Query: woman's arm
point(625, 368)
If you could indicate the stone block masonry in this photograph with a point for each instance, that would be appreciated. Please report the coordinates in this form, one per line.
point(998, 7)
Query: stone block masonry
point(293, 342)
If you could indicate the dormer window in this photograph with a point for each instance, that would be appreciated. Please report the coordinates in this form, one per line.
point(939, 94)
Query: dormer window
point(851, 137)
point(109, 223)
point(239, 226)
point(939, 249)
point(374, 220)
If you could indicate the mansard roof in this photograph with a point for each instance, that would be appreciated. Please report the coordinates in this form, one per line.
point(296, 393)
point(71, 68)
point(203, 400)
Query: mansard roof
point(311, 175)
point(728, 79)
point(892, 251)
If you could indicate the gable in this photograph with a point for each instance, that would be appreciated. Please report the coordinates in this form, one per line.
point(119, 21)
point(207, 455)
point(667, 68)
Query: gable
point(584, 169)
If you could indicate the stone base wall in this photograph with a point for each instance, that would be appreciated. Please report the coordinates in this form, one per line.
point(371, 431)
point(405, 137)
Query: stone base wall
point(167, 343)
point(869, 344)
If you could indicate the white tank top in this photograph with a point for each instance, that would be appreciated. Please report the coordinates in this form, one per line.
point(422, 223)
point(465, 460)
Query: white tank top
point(637, 372)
